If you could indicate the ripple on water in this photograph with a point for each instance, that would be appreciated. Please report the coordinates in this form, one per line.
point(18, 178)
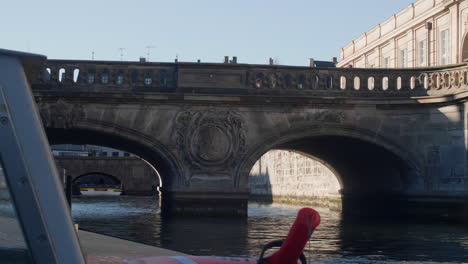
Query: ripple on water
point(335, 241)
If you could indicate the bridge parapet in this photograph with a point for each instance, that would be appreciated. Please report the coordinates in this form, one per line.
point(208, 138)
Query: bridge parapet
point(211, 78)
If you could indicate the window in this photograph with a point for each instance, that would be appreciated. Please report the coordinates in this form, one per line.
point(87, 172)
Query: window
point(91, 77)
point(115, 154)
point(403, 58)
point(301, 81)
point(444, 47)
point(120, 78)
point(422, 50)
point(386, 62)
point(148, 78)
point(105, 77)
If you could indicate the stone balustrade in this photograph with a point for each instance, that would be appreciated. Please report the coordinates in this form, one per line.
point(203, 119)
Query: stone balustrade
point(211, 78)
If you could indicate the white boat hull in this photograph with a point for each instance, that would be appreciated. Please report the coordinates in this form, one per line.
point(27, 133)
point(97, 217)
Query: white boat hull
point(100, 191)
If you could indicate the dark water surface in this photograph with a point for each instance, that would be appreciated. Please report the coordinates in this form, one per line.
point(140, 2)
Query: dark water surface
point(336, 240)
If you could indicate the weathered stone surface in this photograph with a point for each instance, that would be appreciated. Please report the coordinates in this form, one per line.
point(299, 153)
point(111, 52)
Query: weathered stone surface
point(205, 139)
point(290, 175)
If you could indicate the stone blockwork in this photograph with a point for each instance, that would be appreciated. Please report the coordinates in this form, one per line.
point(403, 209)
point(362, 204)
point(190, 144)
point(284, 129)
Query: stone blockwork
point(136, 176)
point(287, 175)
point(388, 134)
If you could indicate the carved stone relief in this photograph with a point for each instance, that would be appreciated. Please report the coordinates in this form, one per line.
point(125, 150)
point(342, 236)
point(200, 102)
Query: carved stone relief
point(60, 114)
point(326, 116)
point(211, 142)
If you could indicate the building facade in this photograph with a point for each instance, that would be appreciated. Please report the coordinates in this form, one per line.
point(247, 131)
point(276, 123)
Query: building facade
point(69, 150)
point(426, 33)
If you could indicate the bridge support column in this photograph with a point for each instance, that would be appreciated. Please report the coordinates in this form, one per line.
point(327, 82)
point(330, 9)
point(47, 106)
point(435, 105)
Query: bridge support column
point(196, 202)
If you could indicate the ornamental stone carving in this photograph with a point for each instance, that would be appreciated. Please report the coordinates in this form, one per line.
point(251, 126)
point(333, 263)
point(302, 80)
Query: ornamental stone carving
point(325, 116)
point(60, 114)
point(210, 141)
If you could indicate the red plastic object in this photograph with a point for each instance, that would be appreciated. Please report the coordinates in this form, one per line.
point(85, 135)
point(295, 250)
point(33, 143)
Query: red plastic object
point(306, 222)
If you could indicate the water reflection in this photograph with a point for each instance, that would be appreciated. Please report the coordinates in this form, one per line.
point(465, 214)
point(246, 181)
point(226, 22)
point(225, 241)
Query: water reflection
point(336, 240)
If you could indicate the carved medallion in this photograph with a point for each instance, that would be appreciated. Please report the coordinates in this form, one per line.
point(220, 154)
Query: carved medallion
point(210, 141)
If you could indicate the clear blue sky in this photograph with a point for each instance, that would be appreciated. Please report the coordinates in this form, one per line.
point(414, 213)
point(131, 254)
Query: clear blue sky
point(253, 30)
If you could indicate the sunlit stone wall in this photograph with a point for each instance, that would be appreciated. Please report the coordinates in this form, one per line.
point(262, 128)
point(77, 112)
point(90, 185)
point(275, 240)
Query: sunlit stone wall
point(288, 174)
point(426, 33)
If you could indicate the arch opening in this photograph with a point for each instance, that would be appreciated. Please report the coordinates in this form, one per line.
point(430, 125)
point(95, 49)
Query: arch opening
point(292, 176)
point(96, 183)
point(97, 178)
point(164, 168)
point(370, 174)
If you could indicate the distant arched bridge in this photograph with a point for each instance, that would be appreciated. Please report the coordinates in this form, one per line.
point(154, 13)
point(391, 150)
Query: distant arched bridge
point(396, 136)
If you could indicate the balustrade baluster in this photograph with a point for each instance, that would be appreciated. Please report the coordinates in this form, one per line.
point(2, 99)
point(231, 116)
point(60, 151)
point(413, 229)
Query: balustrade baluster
point(392, 83)
point(405, 84)
point(54, 74)
point(377, 82)
point(409, 81)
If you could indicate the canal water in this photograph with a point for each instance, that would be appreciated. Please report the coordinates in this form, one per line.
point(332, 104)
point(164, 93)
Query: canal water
point(336, 240)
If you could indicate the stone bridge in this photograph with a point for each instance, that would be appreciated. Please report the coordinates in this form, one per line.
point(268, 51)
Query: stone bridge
point(135, 175)
point(394, 137)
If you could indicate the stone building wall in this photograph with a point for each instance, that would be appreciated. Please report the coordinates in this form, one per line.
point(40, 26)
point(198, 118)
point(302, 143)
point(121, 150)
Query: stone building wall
point(414, 37)
point(288, 175)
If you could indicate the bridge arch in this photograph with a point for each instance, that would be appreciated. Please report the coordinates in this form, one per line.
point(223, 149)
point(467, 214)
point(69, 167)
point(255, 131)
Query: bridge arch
point(107, 178)
point(356, 156)
point(113, 136)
